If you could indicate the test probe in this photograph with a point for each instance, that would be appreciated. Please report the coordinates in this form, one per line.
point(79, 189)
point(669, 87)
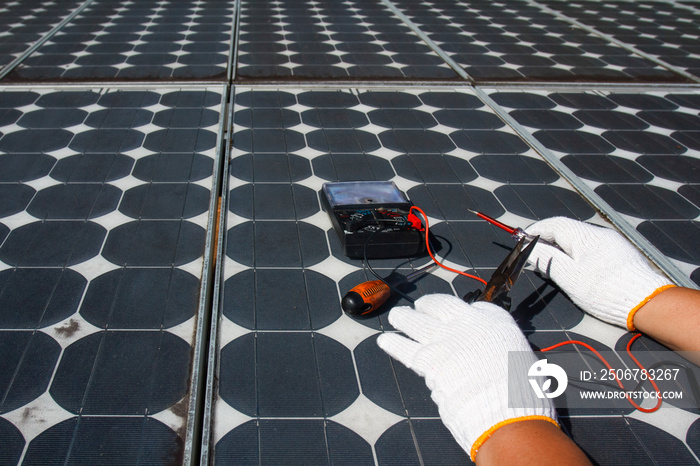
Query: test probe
point(516, 232)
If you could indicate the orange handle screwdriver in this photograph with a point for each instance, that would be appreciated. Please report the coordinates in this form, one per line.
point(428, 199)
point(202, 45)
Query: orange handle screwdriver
point(369, 296)
point(366, 297)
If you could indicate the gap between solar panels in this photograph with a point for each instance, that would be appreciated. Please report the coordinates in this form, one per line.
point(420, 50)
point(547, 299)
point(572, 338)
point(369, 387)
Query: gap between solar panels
point(203, 366)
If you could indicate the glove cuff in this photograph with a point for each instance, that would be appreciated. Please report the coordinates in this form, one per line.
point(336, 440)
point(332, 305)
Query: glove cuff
point(630, 316)
point(486, 435)
point(473, 417)
point(617, 304)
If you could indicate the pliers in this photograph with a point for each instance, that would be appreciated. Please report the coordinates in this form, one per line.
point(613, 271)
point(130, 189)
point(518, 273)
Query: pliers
point(500, 283)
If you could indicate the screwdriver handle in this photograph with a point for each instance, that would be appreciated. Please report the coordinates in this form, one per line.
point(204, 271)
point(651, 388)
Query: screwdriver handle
point(365, 297)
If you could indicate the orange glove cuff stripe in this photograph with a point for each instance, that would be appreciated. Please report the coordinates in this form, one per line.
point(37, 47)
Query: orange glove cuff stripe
point(486, 435)
point(630, 316)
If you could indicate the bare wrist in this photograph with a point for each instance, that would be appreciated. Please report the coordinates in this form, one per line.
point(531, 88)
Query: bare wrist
point(669, 311)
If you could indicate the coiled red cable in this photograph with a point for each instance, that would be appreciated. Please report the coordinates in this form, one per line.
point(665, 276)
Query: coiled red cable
point(619, 383)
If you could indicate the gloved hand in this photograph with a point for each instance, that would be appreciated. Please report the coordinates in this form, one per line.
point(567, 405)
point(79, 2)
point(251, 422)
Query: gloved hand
point(462, 351)
point(598, 269)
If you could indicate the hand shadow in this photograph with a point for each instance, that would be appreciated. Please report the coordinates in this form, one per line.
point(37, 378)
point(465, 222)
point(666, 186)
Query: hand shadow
point(405, 288)
point(532, 305)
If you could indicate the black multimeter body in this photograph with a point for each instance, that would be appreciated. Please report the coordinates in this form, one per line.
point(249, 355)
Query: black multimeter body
point(371, 219)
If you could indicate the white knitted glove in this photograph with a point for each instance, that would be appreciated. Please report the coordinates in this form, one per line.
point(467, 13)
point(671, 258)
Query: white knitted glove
point(598, 269)
point(462, 351)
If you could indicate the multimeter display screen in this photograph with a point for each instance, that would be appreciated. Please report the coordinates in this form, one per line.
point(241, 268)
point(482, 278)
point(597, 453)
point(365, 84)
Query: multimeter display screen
point(363, 192)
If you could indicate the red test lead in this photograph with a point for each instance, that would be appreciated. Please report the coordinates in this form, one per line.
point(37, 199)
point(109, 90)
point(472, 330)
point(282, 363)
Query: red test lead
point(516, 233)
point(503, 226)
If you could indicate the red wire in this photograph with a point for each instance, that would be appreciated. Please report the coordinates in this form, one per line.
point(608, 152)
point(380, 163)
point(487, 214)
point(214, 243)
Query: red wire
point(619, 383)
point(427, 246)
